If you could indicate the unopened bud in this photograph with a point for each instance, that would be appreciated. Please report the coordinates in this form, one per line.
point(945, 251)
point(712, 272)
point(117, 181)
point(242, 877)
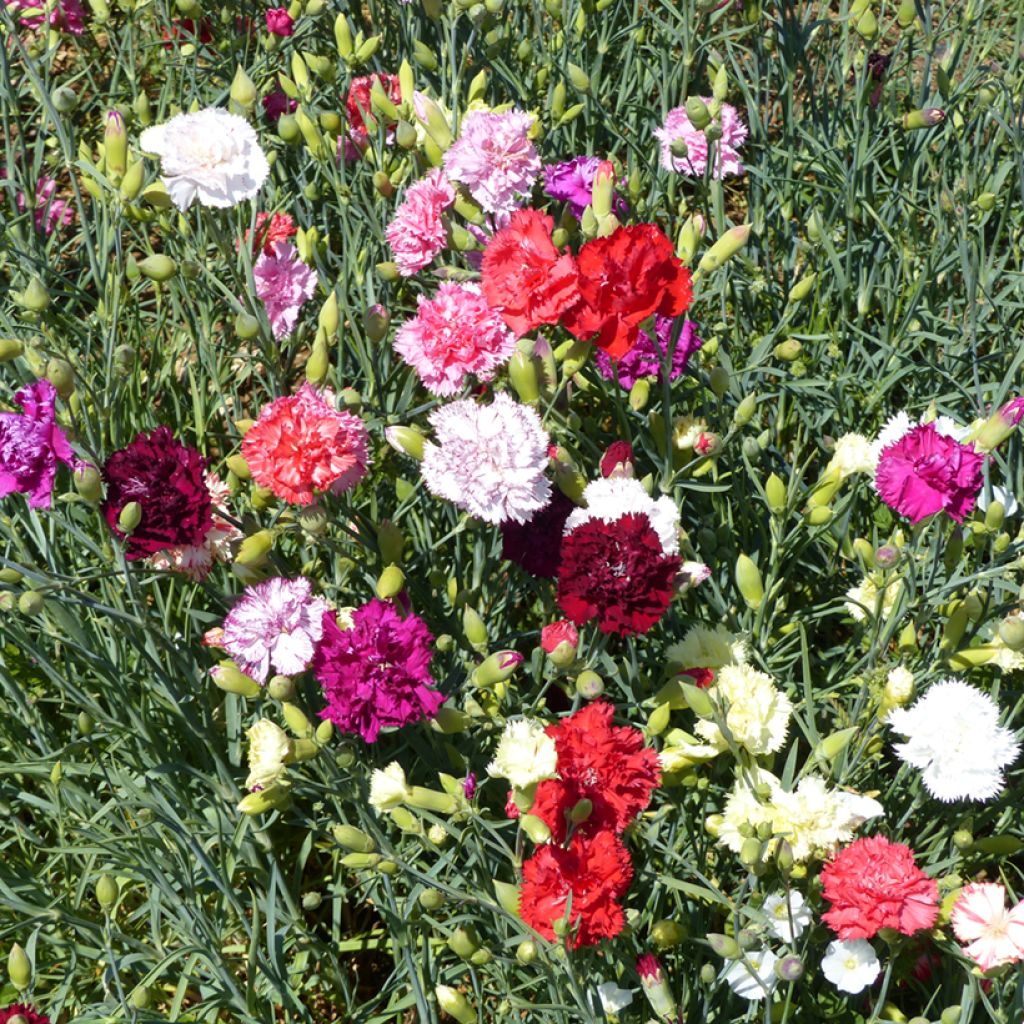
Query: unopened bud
point(455, 1004)
point(107, 891)
point(406, 440)
point(748, 580)
point(353, 839)
point(927, 118)
point(390, 583)
point(497, 668)
point(724, 945)
point(725, 248)
point(19, 968)
point(243, 92)
point(115, 145)
point(129, 517)
point(698, 113)
point(589, 685)
point(35, 296)
point(158, 267)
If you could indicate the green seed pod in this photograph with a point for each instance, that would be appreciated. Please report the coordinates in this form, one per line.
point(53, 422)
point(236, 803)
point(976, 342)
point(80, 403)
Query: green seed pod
point(390, 583)
point(748, 579)
point(19, 968)
point(464, 942)
point(158, 267)
point(85, 724)
point(107, 891)
point(698, 113)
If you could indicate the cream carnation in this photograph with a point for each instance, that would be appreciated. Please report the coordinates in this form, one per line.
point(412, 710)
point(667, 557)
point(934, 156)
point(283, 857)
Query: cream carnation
point(852, 454)
point(707, 647)
point(211, 154)
point(757, 713)
point(269, 745)
point(899, 686)
point(388, 787)
point(868, 599)
point(525, 755)
point(609, 499)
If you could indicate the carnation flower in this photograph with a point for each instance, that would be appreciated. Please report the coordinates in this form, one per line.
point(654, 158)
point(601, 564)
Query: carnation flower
point(926, 472)
point(644, 359)
point(489, 459)
point(707, 647)
point(65, 15)
point(277, 103)
point(954, 738)
point(388, 788)
point(357, 104)
point(30, 1013)
point(453, 335)
point(525, 277)
point(852, 454)
point(556, 634)
point(572, 182)
point(277, 622)
point(167, 480)
point(301, 444)
point(753, 975)
point(605, 764)
point(612, 998)
point(899, 686)
point(417, 233)
point(270, 229)
point(536, 545)
point(757, 713)
point(283, 284)
point(31, 445)
point(873, 884)
point(280, 22)
point(623, 280)
point(584, 882)
point(211, 154)
point(867, 599)
point(48, 213)
point(695, 163)
point(376, 674)
point(617, 573)
point(525, 755)
point(611, 498)
point(851, 966)
point(269, 745)
point(992, 935)
point(494, 158)
point(788, 915)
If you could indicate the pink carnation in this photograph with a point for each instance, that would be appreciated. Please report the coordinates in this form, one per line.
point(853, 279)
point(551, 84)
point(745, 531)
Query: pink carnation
point(280, 22)
point(695, 163)
point(66, 15)
point(48, 213)
point(926, 472)
point(453, 335)
point(992, 934)
point(31, 445)
point(283, 284)
point(495, 159)
point(417, 233)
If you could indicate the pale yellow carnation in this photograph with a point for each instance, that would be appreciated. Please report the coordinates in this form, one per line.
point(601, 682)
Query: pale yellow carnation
point(525, 755)
point(269, 745)
point(757, 712)
point(707, 647)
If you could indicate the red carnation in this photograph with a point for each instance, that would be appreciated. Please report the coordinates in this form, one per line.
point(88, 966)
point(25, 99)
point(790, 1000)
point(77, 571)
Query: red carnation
point(597, 761)
point(624, 279)
point(360, 119)
point(556, 633)
point(617, 460)
point(271, 229)
point(617, 573)
point(524, 275)
point(874, 884)
point(167, 480)
point(594, 873)
point(30, 1013)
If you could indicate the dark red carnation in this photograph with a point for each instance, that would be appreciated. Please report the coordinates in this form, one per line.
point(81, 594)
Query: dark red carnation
point(360, 118)
point(525, 276)
point(189, 31)
point(702, 677)
point(874, 884)
point(624, 279)
point(30, 1013)
point(619, 457)
point(617, 573)
point(537, 545)
point(277, 103)
point(597, 761)
point(166, 478)
point(594, 872)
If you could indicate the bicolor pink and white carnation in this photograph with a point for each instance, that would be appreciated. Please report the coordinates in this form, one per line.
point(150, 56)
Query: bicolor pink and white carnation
point(610, 498)
point(284, 283)
point(695, 163)
point(417, 233)
point(453, 335)
point(992, 934)
point(275, 623)
point(495, 159)
point(488, 459)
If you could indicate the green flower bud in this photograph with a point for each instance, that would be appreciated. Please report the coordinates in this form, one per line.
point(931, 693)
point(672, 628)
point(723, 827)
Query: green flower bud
point(141, 997)
point(388, 271)
point(535, 828)
point(497, 668)
point(270, 799)
point(802, 288)
point(464, 942)
point(253, 551)
point(950, 1015)
point(115, 145)
point(748, 579)
point(718, 381)
point(228, 677)
point(994, 515)
point(589, 685)
point(61, 375)
point(1011, 632)
point(526, 952)
point(698, 113)
point(578, 77)
point(524, 375)
point(296, 720)
point(85, 724)
point(406, 440)
point(130, 517)
point(319, 362)
point(788, 350)
point(10, 348)
point(390, 583)
point(927, 118)
point(288, 128)
point(142, 110)
point(107, 891)
point(35, 296)
point(89, 483)
point(243, 92)
point(666, 934)
point(775, 494)
point(639, 394)
point(745, 411)
point(455, 1004)
point(867, 25)
point(64, 99)
point(353, 839)
point(474, 629)
point(19, 968)
point(708, 974)
point(724, 945)
point(906, 13)
point(725, 248)
point(432, 899)
point(158, 267)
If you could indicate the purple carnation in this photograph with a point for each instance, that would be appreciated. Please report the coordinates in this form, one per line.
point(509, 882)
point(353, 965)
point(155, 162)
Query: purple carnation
point(376, 675)
point(31, 445)
point(167, 479)
point(644, 358)
point(536, 545)
point(572, 181)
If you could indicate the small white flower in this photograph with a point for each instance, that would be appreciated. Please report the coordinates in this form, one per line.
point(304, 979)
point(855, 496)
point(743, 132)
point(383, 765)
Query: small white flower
point(955, 739)
point(850, 965)
point(853, 453)
point(613, 999)
point(899, 686)
point(609, 499)
point(788, 918)
point(867, 600)
point(388, 787)
point(211, 155)
point(860, 808)
point(525, 755)
point(753, 976)
point(269, 745)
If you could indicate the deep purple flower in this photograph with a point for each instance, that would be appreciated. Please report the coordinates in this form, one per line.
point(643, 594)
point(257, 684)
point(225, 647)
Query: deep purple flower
point(277, 103)
point(376, 675)
point(167, 479)
point(572, 181)
point(469, 786)
point(644, 358)
point(31, 445)
point(536, 545)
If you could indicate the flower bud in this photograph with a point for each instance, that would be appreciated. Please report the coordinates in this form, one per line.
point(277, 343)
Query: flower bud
point(253, 550)
point(19, 968)
point(748, 580)
point(718, 381)
point(353, 839)
point(129, 517)
point(228, 677)
point(270, 799)
point(926, 118)
point(497, 668)
point(745, 411)
point(725, 248)
point(455, 1004)
point(789, 968)
point(431, 899)
point(406, 440)
point(10, 348)
point(115, 145)
point(390, 583)
point(297, 722)
point(107, 891)
point(724, 945)
point(698, 113)
point(906, 13)
point(775, 494)
point(526, 952)
point(536, 828)
point(1011, 632)
point(243, 92)
point(666, 933)
point(589, 685)
point(85, 724)
point(656, 987)
point(474, 629)
point(867, 25)
point(581, 811)
point(697, 700)
point(35, 296)
point(158, 267)
point(525, 377)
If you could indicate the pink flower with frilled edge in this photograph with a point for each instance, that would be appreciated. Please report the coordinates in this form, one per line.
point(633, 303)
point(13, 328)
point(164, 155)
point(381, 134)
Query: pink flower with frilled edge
point(727, 158)
point(417, 233)
point(49, 213)
point(280, 22)
point(31, 445)
point(926, 472)
point(284, 284)
point(992, 934)
point(65, 15)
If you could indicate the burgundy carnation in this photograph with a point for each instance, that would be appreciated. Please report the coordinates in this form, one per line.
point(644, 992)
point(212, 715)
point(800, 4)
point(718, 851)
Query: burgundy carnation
point(536, 546)
point(617, 573)
point(30, 1013)
point(166, 478)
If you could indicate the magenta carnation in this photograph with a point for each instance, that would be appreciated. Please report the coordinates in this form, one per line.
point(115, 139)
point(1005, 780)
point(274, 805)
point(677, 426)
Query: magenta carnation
point(926, 472)
point(31, 445)
point(495, 159)
point(453, 335)
point(275, 623)
point(48, 212)
point(644, 358)
point(572, 182)
point(65, 15)
point(283, 284)
point(167, 479)
point(695, 163)
point(418, 233)
point(376, 674)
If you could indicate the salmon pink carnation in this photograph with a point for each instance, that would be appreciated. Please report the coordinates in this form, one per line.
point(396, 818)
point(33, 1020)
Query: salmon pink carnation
point(301, 444)
point(874, 884)
point(270, 229)
point(453, 335)
point(360, 120)
point(418, 233)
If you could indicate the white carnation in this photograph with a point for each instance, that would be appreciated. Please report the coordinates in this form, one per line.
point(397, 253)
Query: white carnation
point(525, 755)
point(388, 787)
point(706, 647)
point(612, 498)
point(853, 453)
point(269, 745)
point(867, 599)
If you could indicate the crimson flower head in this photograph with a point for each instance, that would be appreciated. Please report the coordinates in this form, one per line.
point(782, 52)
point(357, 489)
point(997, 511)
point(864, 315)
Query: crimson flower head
point(167, 479)
point(357, 103)
point(586, 880)
point(616, 572)
point(537, 545)
point(270, 229)
point(554, 634)
point(874, 884)
point(280, 22)
point(597, 761)
point(525, 276)
point(617, 460)
point(30, 1013)
point(625, 279)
